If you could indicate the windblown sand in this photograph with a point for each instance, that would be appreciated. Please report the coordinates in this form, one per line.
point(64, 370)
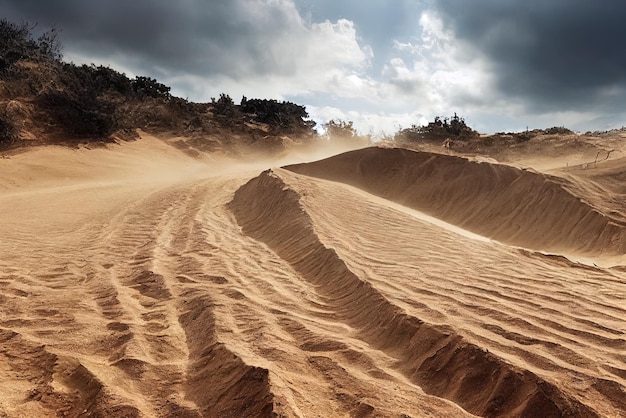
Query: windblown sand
point(137, 281)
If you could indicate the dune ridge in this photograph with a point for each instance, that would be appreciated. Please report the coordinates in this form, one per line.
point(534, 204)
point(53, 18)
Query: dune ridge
point(42, 368)
point(508, 204)
point(433, 356)
point(243, 390)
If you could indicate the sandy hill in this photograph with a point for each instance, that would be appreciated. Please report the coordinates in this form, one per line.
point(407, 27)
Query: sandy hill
point(516, 206)
point(136, 280)
point(44, 100)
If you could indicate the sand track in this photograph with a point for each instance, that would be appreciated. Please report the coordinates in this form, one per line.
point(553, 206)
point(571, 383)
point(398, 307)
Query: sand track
point(135, 281)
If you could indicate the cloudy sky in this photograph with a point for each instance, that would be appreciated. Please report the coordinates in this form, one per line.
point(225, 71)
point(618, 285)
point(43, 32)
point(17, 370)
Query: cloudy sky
point(504, 65)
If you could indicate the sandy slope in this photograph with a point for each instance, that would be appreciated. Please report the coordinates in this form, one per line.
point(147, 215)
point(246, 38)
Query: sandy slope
point(135, 281)
point(520, 207)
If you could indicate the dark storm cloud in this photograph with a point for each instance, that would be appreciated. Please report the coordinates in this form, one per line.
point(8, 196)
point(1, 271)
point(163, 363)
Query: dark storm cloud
point(196, 37)
point(565, 54)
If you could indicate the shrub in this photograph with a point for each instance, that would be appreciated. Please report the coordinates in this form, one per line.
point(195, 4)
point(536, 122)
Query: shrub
point(340, 129)
point(8, 132)
point(17, 43)
point(286, 116)
point(556, 130)
point(224, 106)
point(49, 45)
point(150, 87)
point(79, 116)
point(441, 128)
point(92, 101)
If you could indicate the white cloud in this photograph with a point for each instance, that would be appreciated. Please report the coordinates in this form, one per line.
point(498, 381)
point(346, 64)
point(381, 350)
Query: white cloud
point(368, 123)
point(284, 55)
point(438, 69)
point(274, 52)
point(260, 48)
point(312, 58)
point(418, 64)
point(432, 74)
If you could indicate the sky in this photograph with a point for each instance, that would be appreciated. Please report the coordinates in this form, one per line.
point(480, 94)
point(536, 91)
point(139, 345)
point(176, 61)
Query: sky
point(503, 65)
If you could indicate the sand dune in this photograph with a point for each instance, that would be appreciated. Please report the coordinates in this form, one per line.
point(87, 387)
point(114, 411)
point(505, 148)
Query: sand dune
point(434, 357)
point(137, 281)
point(511, 205)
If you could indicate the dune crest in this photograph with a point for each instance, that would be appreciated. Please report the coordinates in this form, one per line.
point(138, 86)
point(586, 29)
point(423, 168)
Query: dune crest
point(434, 357)
point(511, 205)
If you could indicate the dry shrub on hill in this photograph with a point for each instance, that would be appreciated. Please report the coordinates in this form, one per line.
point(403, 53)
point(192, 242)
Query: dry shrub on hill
point(440, 129)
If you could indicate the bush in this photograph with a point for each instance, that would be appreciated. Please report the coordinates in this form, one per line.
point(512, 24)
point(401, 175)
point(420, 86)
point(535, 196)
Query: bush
point(345, 134)
point(17, 43)
point(441, 128)
point(8, 132)
point(149, 87)
point(224, 106)
point(277, 114)
point(340, 129)
point(79, 116)
point(49, 45)
point(557, 130)
point(89, 101)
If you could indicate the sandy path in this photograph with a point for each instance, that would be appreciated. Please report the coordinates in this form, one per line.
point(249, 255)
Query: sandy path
point(128, 288)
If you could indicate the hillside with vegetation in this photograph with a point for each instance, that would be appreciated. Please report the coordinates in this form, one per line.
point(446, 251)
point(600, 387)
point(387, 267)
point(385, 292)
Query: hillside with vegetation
point(45, 100)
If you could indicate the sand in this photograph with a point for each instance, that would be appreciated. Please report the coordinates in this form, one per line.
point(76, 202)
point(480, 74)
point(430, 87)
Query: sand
point(138, 281)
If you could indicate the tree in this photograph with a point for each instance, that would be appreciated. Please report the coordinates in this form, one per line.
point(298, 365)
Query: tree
point(345, 134)
point(340, 129)
point(279, 115)
point(149, 87)
point(224, 106)
point(17, 43)
point(441, 128)
point(50, 45)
